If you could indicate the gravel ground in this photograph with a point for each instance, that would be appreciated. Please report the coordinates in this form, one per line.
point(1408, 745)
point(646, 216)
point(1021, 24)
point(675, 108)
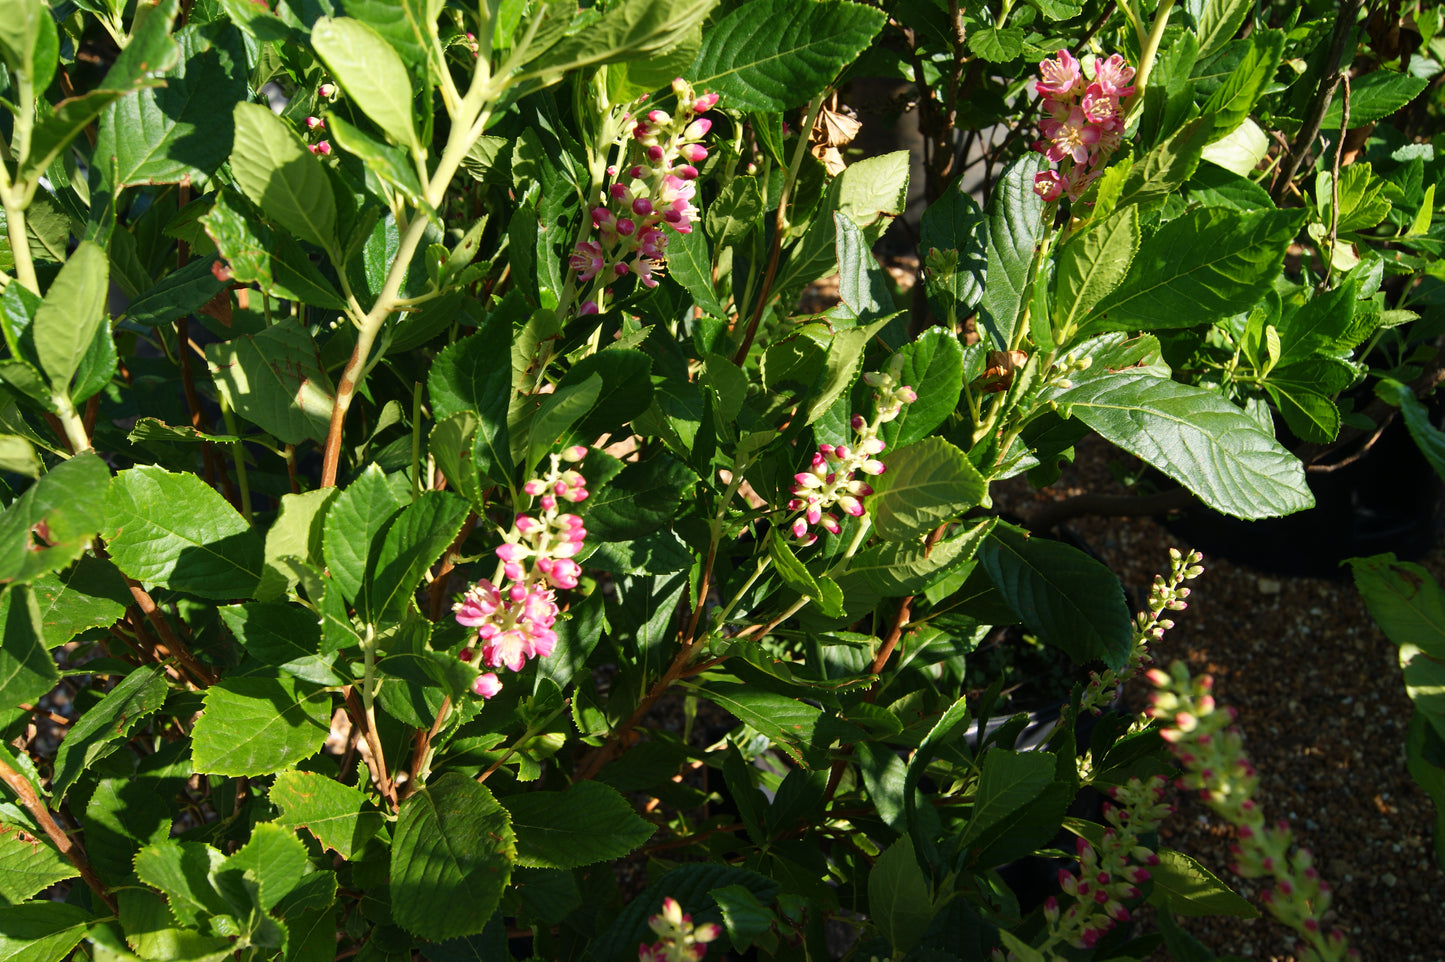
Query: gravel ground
point(1324, 711)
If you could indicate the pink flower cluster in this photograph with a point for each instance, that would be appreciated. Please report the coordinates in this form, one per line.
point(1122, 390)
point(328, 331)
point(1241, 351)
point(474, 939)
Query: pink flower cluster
point(1110, 873)
point(1210, 749)
point(658, 193)
point(1084, 122)
point(678, 939)
point(514, 621)
point(829, 481)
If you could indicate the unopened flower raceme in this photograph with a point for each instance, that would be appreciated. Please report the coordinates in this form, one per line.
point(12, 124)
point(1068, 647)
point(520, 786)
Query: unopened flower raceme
point(678, 939)
point(829, 481)
point(1210, 749)
point(654, 192)
point(515, 619)
point(1084, 120)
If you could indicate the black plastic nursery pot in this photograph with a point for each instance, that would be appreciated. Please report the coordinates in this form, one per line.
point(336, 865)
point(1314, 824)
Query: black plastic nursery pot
point(1389, 499)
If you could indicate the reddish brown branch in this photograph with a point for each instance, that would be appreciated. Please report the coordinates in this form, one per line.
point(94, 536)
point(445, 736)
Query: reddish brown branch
point(199, 672)
point(71, 849)
point(375, 757)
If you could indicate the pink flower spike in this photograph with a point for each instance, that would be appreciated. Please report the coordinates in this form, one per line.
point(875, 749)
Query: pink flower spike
point(487, 685)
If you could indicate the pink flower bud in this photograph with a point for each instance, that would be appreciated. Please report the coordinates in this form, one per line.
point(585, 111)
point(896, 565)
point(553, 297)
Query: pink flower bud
point(314, 122)
point(698, 129)
point(588, 307)
point(326, 91)
point(487, 685)
point(642, 207)
point(511, 552)
point(685, 172)
point(655, 153)
point(694, 153)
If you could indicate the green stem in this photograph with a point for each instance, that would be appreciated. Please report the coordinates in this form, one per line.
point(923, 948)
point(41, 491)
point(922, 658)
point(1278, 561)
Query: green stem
point(71, 421)
point(238, 455)
point(20, 242)
point(1148, 53)
point(416, 441)
point(780, 229)
point(369, 685)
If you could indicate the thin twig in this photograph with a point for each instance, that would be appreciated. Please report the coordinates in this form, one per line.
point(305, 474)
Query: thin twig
point(1315, 116)
point(375, 757)
point(70, 848)
point(203, 675)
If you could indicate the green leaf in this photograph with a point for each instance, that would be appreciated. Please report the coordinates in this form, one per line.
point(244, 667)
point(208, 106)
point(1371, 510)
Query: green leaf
point(183, 130)
point(1312, 417)
point(26, 671)
point(285, 636)
point(926, 484)
point(770, 55)
point(953, 242)
point(29, 42)
point(790, 724)
point(389, 163)
point(413, 541)
point(475, 374)
point(1209, 263)
point(275, 857)
point(105, 726)
point(625, 391)
point(370, 72)
point(873, 190)
point(275, 379)
point(40, 931)
point(152, 931)
point(17, 456)
point(175, 530)
point(745, 917)
point(691, 886)
point(1250, 79)
point(68, 503)
point(184, 872)
point(1374, 96)
point(178, 294)
point(1217, 21)
point(1428, 438)
point(1197, 438)
point(641, 499)
point(1072, 601)
point(28, 864)
point(1091, 266)
point(900, 900)
point(256, 726)
point(279, 175)
point(689, 261)
point(71, 314)
point(630, 30)
point(862, 283)
point(1010, 781)
point(1188, 888)
point(1409, 606)
point(734, 213)
point(1015, 228)
point(934, 360)
point(996, 44)
point(454, 847)
point(1160, 172)
point(255, 256)
point(1363, 203)
point(353, 528)
point(588, 823)
point(795, 575)
point(296, 533)
point(149, 52)
point(895, 569)
point(90, 594)
point(338, 815)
